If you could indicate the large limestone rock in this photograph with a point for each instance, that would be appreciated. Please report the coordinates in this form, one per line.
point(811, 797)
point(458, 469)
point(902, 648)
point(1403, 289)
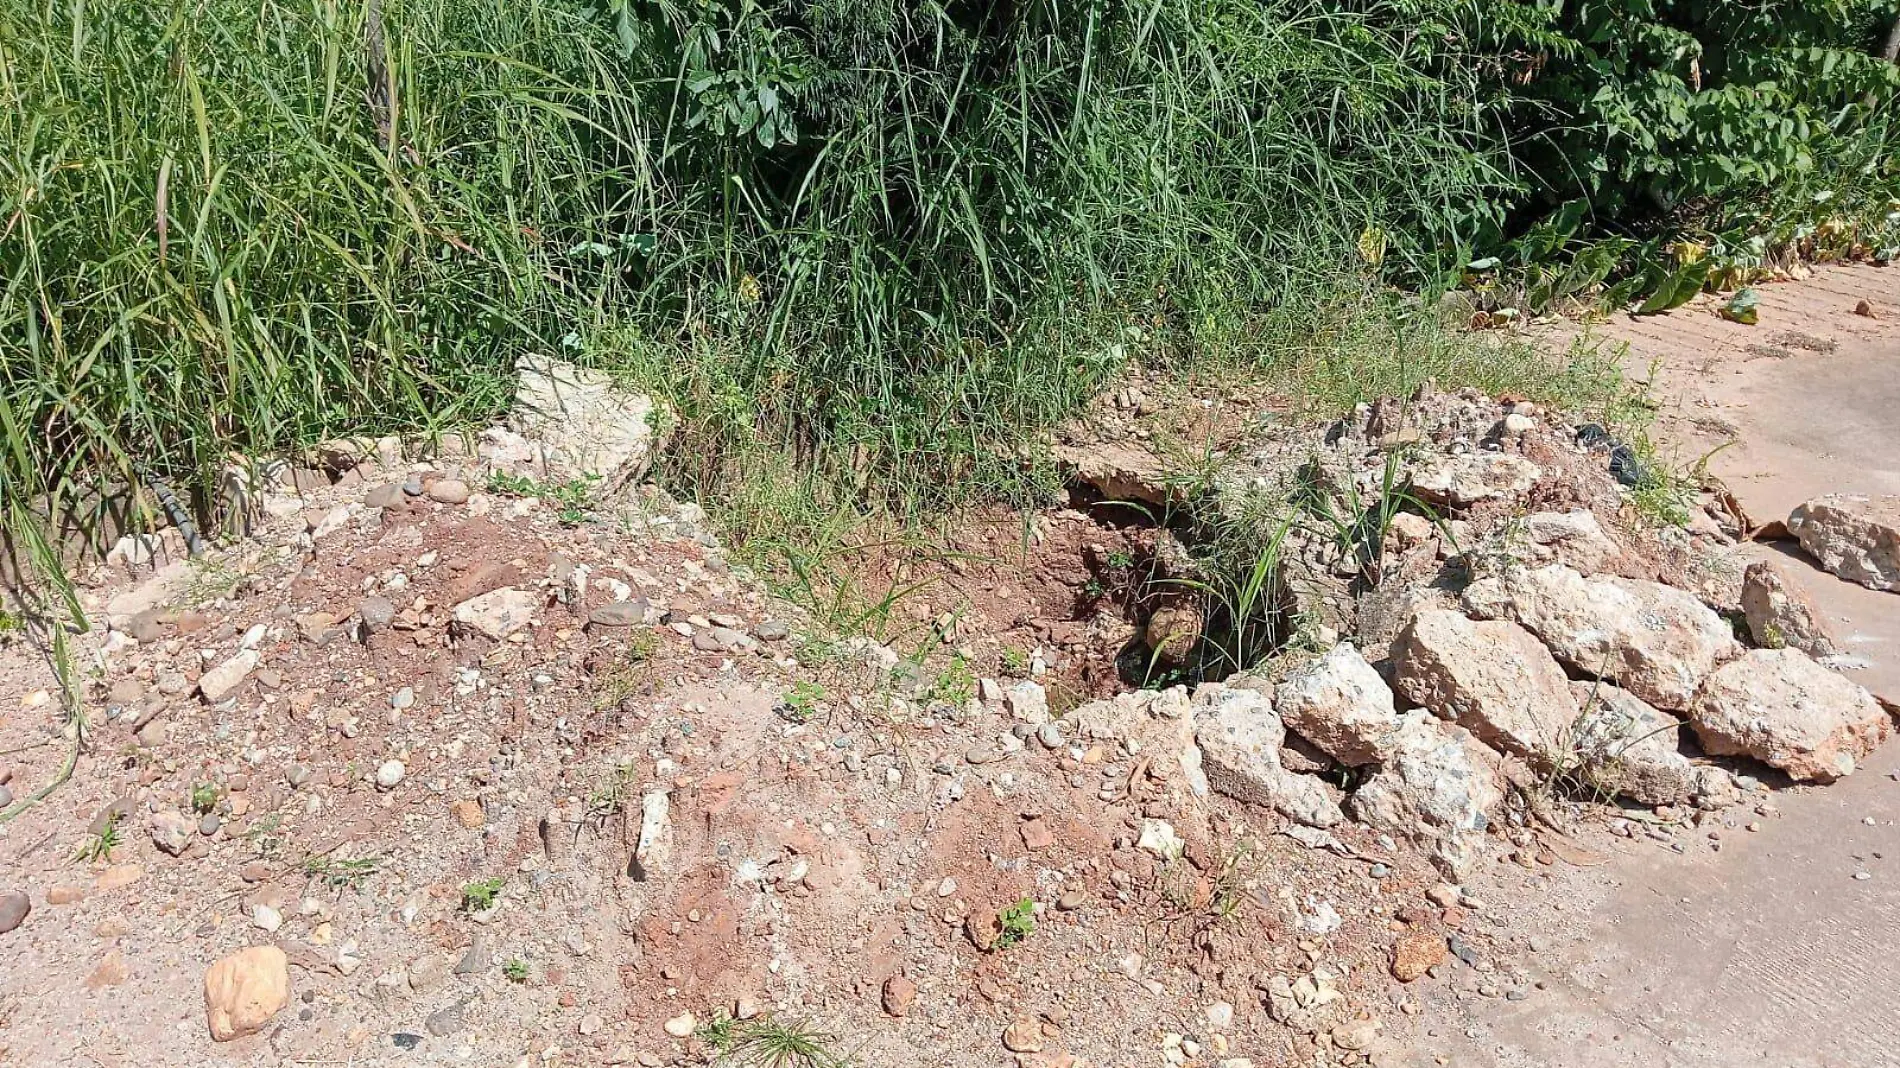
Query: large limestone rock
point(584, 425)
point(1780, 613)
point(1340, 704)
point(1492, 677)
point(1119, 471)
point(1158, 727)
point(1783, 709)
point(1240, 738)
point(1655, 641)
point(1625, 746)
point(497, 613)
point(1857, 538)
point(1438, 790)
point(1469, 478)
point(244, 990)
point(1573, 539)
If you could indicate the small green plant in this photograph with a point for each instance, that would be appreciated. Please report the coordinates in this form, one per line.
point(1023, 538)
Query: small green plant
point(341, 874)
point(515, 970)
point(10, 624)
point(1121, 560)
point(210, 580)
point(204, 797)
point(954, 685)
point(1013, 662)
point(801, 702)
point(571, 499)
point(769, 1043)
point(718, 1033)
point(1016, 923)
point(479, 896)
point(1093, 589)
point(99, 846)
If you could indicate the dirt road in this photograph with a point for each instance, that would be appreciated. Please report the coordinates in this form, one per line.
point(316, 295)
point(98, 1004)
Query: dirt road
point(1774, 946)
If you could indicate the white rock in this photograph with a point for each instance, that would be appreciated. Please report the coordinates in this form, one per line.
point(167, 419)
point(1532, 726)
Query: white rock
point(1159, 837)
point(218, 683)
point(682, 1026)
point(1780, 613)
point(1624, 746)
point(654, 846)
point(1492, 677)
point(1340, 704)
point(173, 831)
point(1574, 539)
point(1783, 709)
point(266, 918)
point(585, 424)
point(1857, 538)
point(1438, 789)
point(1655, 641)
point(1028, 702)
point(389, 774)
point(1468, 478)
point(498, 613)
point(1240, 736)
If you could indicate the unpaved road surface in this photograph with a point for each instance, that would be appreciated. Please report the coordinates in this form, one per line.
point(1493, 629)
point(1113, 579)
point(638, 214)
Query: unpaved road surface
point(1770, 947)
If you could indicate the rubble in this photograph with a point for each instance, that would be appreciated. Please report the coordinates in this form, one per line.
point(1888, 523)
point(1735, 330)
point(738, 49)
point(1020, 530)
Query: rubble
point(1780, 707)
point(1857, 538)
point(1438, 790)
point(1655, 641)
point(1491, 677)
point(1340, 704)
point(1780, 613)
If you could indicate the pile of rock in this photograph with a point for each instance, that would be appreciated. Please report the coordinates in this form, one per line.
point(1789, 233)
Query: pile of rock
point(1508, 641)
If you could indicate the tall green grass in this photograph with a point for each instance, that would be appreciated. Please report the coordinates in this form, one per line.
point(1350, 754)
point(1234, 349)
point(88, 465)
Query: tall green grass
point(213, 240)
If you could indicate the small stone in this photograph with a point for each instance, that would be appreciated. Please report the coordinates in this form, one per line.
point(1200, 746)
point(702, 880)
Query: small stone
point(1037, 835)
point(266, 918)
point(468, 812)
point(746, 1008)
point(172, 831)
point(218, 683)
point(402, 698)
point(114, 877)
point(376, 613)
point(244, 990)
point(389, 774)
point(1024, 1035)
point(476, 959)
point(590, 1024)
point(209, 824)
point(387, 495)
point(899, 995)
point(1415, 954)
point(620, 614)
point(448, 491)
point(1071, 900)
point(14, 907)
point(112, 971)
point(406, 1040)
point(772, 630)
point(1219, 1015)
point(982, 754)
point(682, 1026)
point(427, 972)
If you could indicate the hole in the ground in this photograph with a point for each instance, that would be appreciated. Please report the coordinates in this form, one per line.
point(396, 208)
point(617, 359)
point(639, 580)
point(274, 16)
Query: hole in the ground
point(1196, 615)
